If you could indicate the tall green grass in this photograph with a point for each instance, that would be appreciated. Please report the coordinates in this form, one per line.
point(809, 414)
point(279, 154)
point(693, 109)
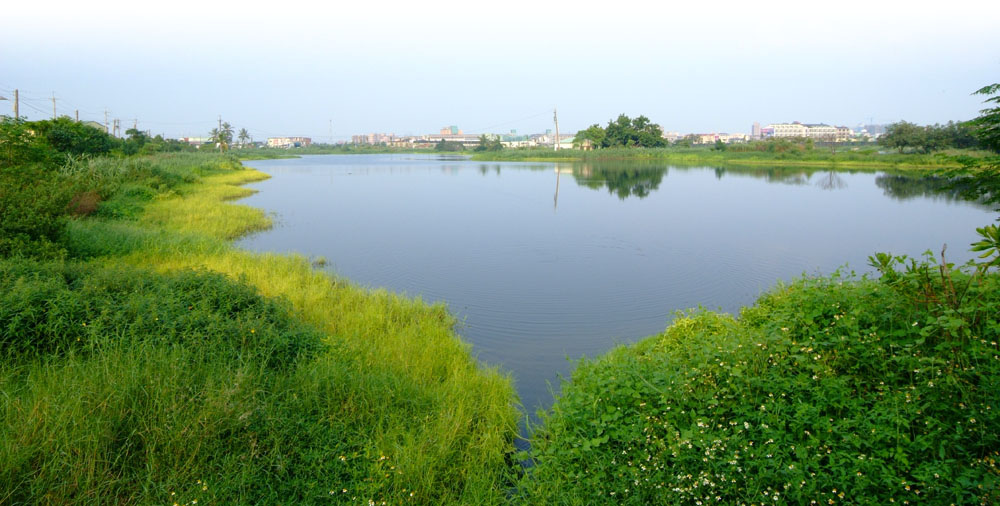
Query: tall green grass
point(390, 407)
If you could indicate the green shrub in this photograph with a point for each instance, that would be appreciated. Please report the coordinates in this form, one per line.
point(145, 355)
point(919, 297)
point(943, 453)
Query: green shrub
point(70, 137)
point(828, 391)
point(53, 308)
point(33, 208)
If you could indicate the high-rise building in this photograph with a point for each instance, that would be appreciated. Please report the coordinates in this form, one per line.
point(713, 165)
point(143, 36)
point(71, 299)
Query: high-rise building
point(755, 130)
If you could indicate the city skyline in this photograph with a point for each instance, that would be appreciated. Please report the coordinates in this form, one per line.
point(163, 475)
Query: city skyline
point(409, 68)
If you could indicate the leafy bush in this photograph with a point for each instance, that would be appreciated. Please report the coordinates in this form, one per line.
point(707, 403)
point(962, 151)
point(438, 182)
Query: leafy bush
point(53, 308)
point(33, 207)
point(828, 391)
point(69, 137)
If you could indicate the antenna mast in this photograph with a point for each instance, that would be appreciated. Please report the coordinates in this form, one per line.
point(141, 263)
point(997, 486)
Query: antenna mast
point(555, 117)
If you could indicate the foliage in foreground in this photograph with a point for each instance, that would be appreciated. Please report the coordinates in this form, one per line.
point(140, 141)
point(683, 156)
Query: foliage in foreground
point(159, 364)
point(123, 385)
point(828, 391)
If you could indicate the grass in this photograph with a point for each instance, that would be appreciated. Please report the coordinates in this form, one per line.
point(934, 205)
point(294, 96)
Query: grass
point(389, 406)
point(152, 362)
point(818, 157)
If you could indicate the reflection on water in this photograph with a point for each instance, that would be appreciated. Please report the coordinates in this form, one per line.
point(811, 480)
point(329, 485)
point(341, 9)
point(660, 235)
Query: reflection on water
point(903, 187)
point(831, 181)
point(548, 261)
point(621, 179)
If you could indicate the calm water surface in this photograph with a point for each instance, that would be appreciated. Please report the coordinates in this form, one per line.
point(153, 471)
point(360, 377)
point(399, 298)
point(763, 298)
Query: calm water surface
point(549, 262)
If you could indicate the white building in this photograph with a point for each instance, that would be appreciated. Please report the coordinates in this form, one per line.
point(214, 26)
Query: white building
point(817, 131)
point(288, 142)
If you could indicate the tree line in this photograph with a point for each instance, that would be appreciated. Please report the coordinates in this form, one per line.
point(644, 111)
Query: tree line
point(623, 132)
point(909, 137)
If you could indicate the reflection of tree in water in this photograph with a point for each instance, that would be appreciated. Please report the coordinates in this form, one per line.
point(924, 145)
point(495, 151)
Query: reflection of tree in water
point(621, 180)
point(902, 187)
point(771, 175)
point(831, 181)
point(485, 168)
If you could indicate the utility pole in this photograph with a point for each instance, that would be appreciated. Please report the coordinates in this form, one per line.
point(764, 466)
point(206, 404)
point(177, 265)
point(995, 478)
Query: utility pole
point(106, 120)
point(16, 113)
point(77, 115)
point(555, 117)
point(135, 124)
point(53, 105)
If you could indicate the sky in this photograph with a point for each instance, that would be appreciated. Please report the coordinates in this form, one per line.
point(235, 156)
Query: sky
point(333, 69)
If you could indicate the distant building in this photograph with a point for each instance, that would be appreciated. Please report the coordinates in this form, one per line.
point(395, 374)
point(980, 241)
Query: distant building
point(817, 131)
point(467, 140)
point(672, 136)
point(566, 142)
point(288, 142)
point(451, 130)
point(755, 131)
point(724, 137)
point(196, 141)
point(374, 139)
point(94, 124)
point(794, 129)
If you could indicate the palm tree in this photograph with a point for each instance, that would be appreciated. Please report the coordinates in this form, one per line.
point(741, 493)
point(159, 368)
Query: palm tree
point(244, 136)
point(226, 135)
point(223, 137)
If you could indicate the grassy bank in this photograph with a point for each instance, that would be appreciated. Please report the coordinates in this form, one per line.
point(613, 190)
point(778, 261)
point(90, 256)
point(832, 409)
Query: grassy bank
point(833, 390)
point(155, 363)
point(867, 158)
point(143, 360)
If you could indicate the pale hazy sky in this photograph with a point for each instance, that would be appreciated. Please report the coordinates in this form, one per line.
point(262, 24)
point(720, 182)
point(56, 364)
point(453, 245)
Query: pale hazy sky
point(411, 67)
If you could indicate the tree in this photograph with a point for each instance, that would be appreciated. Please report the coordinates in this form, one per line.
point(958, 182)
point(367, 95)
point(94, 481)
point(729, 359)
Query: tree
point(638, 132)
point(903, 135)
point(243, 136)
point(71, 137)
point(134, 141)
point(961, 134)
point(18, 144)
point(489, 143)
point(444, 145)
point(222, 137)
point(979, 178)
point(594, 133)
point(987, 125)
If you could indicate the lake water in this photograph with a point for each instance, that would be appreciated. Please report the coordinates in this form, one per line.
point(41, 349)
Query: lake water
point(545, 262)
